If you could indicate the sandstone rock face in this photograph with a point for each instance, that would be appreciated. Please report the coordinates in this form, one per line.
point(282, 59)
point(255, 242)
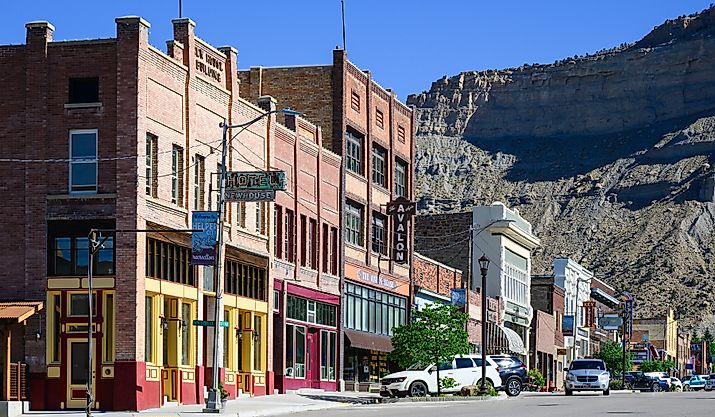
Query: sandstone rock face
point(610, 157)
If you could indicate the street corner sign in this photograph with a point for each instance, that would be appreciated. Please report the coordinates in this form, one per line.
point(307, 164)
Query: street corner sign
point(401, 210)
point(203, 243)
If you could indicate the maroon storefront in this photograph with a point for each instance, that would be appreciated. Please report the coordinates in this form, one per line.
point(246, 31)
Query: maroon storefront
point(306, 338)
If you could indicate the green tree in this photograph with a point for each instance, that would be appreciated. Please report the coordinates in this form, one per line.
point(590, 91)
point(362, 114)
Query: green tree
point(696, 338)
point(707, 336)
point(657, 366)
point(612, 354)
point(435, 335)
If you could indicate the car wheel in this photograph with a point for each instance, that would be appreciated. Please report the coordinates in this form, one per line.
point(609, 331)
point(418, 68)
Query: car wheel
point(513, 387)
point(686, 387)
point(569, 392)
point(655, 387)
point(607, 391)
point(418, 389)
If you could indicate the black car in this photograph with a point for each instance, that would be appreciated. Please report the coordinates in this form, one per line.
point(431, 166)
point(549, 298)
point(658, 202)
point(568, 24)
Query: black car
point(637, 380)
point(513, 373)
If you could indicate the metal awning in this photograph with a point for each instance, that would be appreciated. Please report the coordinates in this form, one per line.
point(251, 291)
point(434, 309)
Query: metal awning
point(18, 311)
point(369, 341)
point(514, 341)
point(604, 298)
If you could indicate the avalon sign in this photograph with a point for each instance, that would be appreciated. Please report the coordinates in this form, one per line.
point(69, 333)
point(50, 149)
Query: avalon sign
point(401, 211)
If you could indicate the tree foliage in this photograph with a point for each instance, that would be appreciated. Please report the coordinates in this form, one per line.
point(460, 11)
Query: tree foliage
point(539, 379)
point(436, 334)
point(612, 354)
point(657, 366)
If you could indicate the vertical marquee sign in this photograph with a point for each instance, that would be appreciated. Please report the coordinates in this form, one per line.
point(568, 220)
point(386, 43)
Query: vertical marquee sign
point(401, 211)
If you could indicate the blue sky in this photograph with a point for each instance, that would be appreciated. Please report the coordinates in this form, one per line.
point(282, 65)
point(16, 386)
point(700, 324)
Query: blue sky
point(407, 44)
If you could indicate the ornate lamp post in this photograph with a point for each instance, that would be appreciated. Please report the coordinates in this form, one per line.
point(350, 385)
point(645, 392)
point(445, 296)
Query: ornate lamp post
point(484, 268)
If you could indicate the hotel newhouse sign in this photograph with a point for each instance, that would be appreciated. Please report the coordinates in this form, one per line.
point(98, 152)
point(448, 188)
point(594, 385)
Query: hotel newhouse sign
point(401, 211)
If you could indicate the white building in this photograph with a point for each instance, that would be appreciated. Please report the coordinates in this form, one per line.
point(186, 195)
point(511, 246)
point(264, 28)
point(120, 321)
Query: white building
point(576, 282)
point(506, 239)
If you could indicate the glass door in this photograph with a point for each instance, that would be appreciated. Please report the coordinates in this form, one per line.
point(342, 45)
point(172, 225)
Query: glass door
point(77, 370)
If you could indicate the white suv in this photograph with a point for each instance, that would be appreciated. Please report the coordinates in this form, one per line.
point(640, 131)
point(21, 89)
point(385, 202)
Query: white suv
point(419, 380)
point(588, 375)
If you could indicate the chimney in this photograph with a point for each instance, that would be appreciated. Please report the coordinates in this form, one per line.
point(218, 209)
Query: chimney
point(39, 34)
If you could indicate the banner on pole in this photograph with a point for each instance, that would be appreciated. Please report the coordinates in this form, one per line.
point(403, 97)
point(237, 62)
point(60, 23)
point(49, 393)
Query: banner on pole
point(203, 243)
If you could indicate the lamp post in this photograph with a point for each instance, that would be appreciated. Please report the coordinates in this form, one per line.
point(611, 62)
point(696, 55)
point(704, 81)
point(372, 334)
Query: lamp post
point(484, 268)
point(213, 405)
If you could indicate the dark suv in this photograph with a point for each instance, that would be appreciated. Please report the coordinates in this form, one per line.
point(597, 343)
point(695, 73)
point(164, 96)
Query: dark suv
point(513, 373)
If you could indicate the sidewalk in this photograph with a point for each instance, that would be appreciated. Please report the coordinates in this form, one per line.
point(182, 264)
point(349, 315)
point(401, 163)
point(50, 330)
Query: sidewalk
point(269, 405)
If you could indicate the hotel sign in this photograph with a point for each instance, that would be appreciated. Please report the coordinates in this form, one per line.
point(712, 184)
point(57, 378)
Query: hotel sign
point(254, 185)
point(401, 211)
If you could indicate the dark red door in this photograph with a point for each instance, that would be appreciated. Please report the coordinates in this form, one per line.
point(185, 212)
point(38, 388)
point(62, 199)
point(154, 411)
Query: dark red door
point(312, 373)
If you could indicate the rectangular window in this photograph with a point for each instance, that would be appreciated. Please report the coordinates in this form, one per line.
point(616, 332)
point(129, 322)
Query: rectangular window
point(245, 280)
point(226, 341)
point(290, 350)
point(199, 164)
point(355, 100)
point(400, 178)
point(177, 177)
point(257, 343)
point(83, 157)
point(303, 240)
point(186, 323)
point(289, 245)
point(373, 310)
point(79, 306)
point(56, 327)
point(378, 166)
point(151, 179)
point(241, 214)
point(379, 233)
point(334, 243)
point(313, 243)
point(169, 262)
point(326, 250)
point(260, 217)
point(109, 328)
point(379, 119)
point(353, 223)
point(276, 300)
point(311, 311)
point(353, 152)
point(83, 90)
point(278, 231)
point(299, 352)
point(148, 330)
point(401, 133)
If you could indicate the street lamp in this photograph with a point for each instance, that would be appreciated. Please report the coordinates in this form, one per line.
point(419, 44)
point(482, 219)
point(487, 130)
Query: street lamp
point(213, 404)
point(484, 268)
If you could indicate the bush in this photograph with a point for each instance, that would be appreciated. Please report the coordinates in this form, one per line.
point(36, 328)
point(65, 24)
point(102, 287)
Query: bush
point(473, 391)
point(538, 377)
point(616, 384)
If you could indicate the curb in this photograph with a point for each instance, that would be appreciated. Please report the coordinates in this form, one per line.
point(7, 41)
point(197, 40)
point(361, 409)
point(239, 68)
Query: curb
point(346, 399)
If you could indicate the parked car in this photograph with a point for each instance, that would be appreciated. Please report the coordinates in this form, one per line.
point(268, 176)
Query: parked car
point(588, 375)
point(637, 380)
point(512, 372)
point(676, 384)
point(710, 383)
point(419, 380)
point(663, 377)
point(694, 383)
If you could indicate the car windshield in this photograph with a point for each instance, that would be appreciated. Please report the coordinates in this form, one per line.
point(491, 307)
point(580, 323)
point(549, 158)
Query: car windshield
point(417, 367)
point(587, 365)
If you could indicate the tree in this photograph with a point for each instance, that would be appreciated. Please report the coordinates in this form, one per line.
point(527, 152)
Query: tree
point(707, 336)
point(435, 335)
point(612, 354)
point(657, 366)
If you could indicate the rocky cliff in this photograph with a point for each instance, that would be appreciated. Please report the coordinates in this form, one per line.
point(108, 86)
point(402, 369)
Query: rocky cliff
point(608, 155)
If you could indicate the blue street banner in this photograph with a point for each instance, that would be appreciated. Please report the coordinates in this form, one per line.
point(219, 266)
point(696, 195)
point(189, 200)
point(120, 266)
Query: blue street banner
point(203, 243)
point(458, 296)
point(567, 327)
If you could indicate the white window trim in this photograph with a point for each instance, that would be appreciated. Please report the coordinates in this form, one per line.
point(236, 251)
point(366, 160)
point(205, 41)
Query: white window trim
point(95, 160)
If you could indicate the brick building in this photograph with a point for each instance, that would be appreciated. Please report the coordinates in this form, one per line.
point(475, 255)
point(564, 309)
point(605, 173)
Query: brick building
point(433, 281)
point(307, 257)
point(657, 336)
point(374, 134)
point(547, 338)
point(127, 134)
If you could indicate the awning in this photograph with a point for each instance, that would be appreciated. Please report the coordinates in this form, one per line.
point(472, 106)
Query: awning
point(19, 310)
point(604, 298)
point(369, 341)
point(516, 345)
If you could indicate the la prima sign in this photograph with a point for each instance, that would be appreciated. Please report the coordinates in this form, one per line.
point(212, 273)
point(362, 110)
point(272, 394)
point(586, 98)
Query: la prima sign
point(401, 211)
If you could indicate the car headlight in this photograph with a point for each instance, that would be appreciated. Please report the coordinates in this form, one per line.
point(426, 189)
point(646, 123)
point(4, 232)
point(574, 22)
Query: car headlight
point(401, 379)
point(604, 375)
point(570, 377)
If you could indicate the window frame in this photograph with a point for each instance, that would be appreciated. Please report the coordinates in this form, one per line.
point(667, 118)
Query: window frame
point(354, 212)
point(354, 145)
point(401, 170)
point(379, 241)
point(329, 350)
point(379, 165)
point(177, 177)
point(84, 161)
point(199, 175)
point(78, 79)
point(150, 165)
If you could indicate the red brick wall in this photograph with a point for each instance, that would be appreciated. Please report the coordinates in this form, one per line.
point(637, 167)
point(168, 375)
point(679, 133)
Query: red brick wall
point(433, 276)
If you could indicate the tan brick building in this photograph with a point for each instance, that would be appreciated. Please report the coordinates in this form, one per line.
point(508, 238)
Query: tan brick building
point(116, 134)
point(374, 133)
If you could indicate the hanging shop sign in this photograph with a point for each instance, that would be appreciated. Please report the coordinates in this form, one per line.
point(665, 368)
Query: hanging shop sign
point(610, 322)
point(567, 327)
point(203, 243)
point(256, 181)
point(241, 195)
point(401, 211)
point(458, 296)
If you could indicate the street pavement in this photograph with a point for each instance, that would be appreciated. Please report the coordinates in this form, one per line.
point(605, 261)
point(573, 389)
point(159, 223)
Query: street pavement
point(545, 405)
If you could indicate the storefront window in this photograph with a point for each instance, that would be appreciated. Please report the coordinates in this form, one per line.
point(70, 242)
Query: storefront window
point(311, 311)
point(257, 343)
point(148, 330)
point(290, 350)
point(185, 332)
point(373, 311)
point(299, 352)
point(327, 355)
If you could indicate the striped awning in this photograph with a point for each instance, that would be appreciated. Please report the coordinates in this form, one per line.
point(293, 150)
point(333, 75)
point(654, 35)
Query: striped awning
point(514, 341)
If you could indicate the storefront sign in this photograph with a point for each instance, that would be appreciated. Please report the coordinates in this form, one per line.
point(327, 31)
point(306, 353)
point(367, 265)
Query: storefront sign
point(203, 243)
point(256, 181)
point(208, 63)
point(567, 326)
point(492, 316)
point(610, 322)
point(234, 196)
point(492, 304)
point(560, 352)
point(582, 332)
point(401, 211)
point(458, 296)
point(377, 280)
